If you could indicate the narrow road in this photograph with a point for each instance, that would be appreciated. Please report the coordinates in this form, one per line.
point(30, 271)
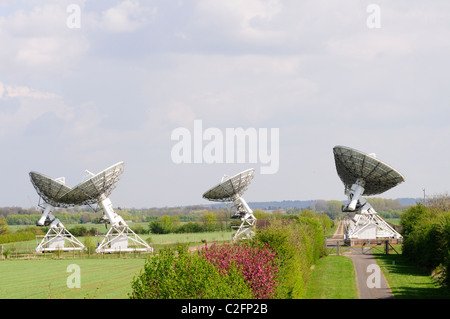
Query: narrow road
point(369, 278)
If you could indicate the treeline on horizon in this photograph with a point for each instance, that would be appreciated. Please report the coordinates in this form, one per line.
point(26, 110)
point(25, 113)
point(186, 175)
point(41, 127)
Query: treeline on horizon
point(387, 208)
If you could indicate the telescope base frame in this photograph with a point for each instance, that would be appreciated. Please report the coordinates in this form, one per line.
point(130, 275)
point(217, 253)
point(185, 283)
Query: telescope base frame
point(55, 240)
point(117, 239)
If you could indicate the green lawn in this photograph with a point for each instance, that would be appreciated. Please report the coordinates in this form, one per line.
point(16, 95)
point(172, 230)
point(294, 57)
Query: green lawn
point(407, 281)
point(395, 221)
point(333, 278)
point(47, 279)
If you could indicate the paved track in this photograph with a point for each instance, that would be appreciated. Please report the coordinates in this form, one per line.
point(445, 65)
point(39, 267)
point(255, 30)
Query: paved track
point(369, 277)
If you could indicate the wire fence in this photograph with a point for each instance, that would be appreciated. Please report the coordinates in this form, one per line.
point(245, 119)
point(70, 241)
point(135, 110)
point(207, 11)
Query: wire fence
point(339, 248)
point(24, 254)
point(27, 250)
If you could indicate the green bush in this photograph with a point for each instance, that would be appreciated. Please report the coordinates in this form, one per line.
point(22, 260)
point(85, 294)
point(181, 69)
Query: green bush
point(299, 244)
point(17, 236)
point(187, 276)
point(90, 244)
point(79, 231)
point(140, 230)
point(190, 228)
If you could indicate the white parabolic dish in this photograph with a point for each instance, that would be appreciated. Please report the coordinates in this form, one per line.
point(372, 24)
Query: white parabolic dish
point(89, 191)
point(231, 188)
point(49, 190)
point(352, 164)
point(86, 193)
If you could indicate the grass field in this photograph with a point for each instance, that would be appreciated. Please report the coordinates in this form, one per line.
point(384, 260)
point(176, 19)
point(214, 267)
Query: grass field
point(105, 277)
point(47, 279)
point(333, 278)
point(408, 281)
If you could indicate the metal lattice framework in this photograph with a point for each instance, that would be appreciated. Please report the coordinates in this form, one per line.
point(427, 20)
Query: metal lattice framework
point(122, 238)
point(362, 173)
point(231, 189)
point(59, 238)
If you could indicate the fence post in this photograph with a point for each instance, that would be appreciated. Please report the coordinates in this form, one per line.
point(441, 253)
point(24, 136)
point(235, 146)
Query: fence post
point(337, 247)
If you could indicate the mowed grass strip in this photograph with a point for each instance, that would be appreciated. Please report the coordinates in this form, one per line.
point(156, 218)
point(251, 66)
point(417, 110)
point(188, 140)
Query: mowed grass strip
point(47, 279)
point(408, 281)
point(333, 277)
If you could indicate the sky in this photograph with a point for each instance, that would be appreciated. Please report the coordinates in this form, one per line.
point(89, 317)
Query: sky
point(87, 84)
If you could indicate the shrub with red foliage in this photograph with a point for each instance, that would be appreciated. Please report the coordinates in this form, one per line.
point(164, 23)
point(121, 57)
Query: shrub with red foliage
point(258, 265)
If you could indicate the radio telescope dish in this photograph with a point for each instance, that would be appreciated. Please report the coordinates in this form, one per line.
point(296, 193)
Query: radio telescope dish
point(363, 173)
point(101, 184)
point(50, 190)
point(352, 164)
point(57, 237)
point(231, 189)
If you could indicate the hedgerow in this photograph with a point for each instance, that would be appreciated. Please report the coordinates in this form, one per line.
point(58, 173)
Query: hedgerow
point(298, 244)
point(275, 264)
point(426, 233)
point(187, 276)
point(22, 235)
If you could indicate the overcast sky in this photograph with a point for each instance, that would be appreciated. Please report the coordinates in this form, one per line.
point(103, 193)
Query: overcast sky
point(84, 89)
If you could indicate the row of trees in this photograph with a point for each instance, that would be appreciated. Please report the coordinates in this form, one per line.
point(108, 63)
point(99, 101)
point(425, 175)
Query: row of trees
point(83, 215)
point(215, 221)
point(333, 208)
point(207, 222)
point(92, 217)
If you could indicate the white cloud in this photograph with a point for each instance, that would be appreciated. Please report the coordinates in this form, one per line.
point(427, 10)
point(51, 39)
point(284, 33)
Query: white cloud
point(40, 39)
point(242, 19)
point(32, 103)
point(23, 91)
point(127, 16)
point(230, 90)
point(181, 114)
point(50, 51)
